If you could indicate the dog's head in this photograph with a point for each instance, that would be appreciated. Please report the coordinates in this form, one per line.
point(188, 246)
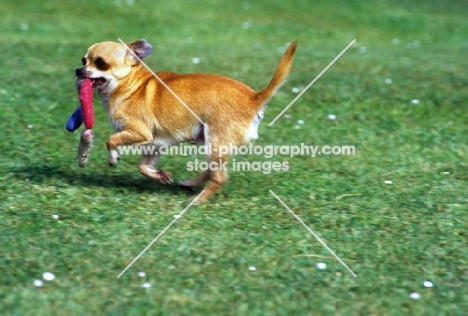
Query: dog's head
point(107, 63)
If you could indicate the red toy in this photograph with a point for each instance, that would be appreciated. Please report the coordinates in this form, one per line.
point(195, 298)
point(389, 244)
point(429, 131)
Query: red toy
point(85, 91)
point(86, 100)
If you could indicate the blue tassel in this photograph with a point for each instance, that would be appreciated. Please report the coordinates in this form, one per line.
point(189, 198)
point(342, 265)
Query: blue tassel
point(75, 120)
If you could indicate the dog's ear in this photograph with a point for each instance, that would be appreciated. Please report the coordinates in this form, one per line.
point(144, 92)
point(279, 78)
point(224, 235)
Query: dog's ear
point(141, 48)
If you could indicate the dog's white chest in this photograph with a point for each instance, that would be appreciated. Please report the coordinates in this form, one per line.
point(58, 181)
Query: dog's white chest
point(117, 124)
point(104, 99)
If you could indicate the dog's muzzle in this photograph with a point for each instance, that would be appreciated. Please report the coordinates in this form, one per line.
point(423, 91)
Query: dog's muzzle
point(81, 73)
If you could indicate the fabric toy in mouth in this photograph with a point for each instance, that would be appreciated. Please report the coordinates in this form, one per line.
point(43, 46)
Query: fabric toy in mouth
point(85, 111)
point(83, 114)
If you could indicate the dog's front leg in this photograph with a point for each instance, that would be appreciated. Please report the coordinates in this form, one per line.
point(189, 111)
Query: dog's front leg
point(122, 138)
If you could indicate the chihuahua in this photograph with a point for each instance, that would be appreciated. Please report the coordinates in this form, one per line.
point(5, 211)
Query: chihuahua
point(208, 108)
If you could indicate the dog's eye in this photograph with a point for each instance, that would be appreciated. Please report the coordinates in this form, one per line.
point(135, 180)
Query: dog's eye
point(83, 61)
point(101, 64)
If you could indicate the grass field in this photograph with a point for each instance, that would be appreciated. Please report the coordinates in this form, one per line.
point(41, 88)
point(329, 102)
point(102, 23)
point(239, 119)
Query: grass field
point(394, 236)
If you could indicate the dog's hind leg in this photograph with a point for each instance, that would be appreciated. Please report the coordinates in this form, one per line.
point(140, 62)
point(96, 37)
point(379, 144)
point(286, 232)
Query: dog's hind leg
point(146, 168)
point(218, 175)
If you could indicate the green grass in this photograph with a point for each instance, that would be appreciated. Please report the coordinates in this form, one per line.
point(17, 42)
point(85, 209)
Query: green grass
point(393, 237)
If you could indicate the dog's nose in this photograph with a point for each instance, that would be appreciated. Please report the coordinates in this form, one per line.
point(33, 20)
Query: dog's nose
point(79, 72)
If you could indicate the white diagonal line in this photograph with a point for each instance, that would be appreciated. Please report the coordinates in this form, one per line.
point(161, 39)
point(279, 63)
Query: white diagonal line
point(313, 234)
point(161, 233)
point(163, 83)
point(312, 82)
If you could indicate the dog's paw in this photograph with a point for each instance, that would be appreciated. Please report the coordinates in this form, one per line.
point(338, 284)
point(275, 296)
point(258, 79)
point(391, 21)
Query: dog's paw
point(113, 162)
point(186, 184)
point(165, 177)
point(113, 158)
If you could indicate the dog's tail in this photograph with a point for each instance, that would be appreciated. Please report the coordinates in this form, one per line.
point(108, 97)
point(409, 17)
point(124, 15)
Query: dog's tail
point(279, 77)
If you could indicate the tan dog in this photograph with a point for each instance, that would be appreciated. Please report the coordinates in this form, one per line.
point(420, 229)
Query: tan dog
point(142, 111)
